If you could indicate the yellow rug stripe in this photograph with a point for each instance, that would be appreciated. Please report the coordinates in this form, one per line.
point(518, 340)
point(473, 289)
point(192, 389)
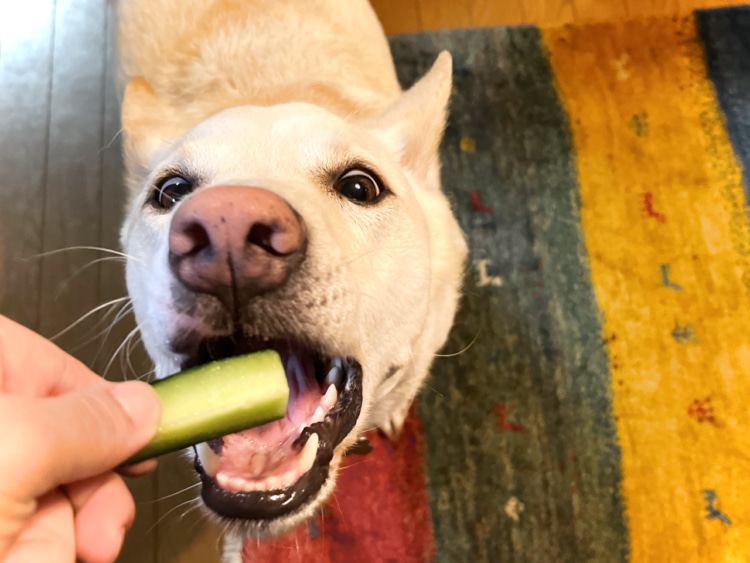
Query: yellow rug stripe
point(664, 223)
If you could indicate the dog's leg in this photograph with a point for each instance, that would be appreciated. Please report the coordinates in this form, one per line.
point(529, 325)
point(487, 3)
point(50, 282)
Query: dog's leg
point(390, 420)
point(231, 551)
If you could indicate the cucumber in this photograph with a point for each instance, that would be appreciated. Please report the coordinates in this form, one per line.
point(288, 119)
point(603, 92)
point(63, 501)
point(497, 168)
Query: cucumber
point(217, 399)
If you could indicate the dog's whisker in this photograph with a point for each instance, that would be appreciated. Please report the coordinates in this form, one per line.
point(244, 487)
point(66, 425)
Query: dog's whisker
point(196, 506)
point(108, 304)
point(96, 336)
point(124, 312)
point(129, 353)
point(462, 351)
point(165, 497)
point(442, 396)
point(351, 465)
point(130, 335)
point(72, 248)
point(105, 333)
point(171, 510)
point(341, 513)
point(371, 251)
point(65, 283)
point(146, 376)
point(202, 518)
point(108, 145)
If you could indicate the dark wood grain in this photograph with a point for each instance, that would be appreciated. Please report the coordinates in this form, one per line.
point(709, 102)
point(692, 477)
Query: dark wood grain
point(72, 204)
point(25, 83)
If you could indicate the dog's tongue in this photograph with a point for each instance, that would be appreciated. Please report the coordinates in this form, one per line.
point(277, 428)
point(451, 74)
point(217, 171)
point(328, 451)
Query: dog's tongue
point(266, 451)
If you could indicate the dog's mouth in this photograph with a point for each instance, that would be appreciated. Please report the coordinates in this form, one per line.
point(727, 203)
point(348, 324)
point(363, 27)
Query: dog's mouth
point(271, 470)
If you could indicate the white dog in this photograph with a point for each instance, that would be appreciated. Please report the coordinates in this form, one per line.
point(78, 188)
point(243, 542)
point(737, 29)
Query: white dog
point(285, 194)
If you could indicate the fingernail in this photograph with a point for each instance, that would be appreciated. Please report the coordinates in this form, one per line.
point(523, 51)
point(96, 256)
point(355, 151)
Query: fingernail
point(139, 400)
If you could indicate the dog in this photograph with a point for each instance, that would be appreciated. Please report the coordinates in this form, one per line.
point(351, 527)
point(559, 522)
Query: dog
point(284, 193)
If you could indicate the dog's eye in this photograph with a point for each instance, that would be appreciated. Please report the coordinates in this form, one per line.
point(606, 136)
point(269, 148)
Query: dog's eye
point(169, 191)
point(358, 186)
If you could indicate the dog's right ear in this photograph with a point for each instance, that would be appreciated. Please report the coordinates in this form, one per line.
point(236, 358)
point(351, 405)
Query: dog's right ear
point(414, 123)
point(148, 125)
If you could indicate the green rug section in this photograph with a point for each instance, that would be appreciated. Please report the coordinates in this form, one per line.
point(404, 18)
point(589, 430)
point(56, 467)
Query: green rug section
point(522, 461)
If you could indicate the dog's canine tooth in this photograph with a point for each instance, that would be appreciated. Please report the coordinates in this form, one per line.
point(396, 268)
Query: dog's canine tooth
point(209, 460)
point(336, 374)
point(330, 398)
point(318, 415)
point(307, 456)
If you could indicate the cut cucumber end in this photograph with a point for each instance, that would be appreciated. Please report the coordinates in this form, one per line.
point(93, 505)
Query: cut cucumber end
point(217, 399)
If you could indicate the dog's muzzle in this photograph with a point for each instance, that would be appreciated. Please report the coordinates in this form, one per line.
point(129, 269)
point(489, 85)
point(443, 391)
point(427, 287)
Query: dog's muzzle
point(237, 244)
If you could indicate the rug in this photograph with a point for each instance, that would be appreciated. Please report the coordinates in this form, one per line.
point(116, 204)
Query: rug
point(591, 403)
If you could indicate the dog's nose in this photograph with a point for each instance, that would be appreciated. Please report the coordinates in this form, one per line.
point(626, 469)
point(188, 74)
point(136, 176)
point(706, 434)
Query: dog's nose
point(235, 242)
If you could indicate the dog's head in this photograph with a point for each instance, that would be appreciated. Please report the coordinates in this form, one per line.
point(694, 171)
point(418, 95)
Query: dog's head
point(287, 227)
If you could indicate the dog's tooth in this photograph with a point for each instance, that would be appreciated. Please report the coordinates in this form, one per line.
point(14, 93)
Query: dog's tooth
point(335, 374)
point(273, 483)
point(301, 428)
point(222, 479)
point(249, 486)
point(209, 460)
point(330, 398)
point(237, 483)
point(289, 478)
point(307, 456)
point(318, 415)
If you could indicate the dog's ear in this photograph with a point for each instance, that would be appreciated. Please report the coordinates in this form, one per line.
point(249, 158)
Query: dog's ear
point(148, 124)
point(416, 120)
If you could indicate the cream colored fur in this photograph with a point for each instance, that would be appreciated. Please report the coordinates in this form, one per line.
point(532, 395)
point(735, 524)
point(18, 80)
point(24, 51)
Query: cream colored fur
point(266, 93)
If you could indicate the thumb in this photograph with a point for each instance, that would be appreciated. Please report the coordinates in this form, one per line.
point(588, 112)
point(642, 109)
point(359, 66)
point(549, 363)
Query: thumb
point(86, 432)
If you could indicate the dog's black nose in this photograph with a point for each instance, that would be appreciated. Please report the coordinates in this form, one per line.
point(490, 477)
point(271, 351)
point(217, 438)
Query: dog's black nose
point(235, 242)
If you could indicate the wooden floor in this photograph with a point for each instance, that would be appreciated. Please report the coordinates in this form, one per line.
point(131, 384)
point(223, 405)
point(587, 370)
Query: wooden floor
point(61, 188)
point(405, 16)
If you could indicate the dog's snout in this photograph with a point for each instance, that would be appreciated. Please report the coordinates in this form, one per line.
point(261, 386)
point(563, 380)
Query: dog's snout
point(235, 242)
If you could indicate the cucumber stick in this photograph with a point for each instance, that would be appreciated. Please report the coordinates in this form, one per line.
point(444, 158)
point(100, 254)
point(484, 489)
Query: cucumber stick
point(216, 399)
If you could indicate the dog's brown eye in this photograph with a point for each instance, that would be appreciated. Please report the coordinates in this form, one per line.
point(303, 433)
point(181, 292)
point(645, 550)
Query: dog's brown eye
point(358, 186)
point(169, 191)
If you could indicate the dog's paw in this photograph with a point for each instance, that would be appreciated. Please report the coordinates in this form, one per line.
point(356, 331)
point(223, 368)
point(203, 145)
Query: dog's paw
point(394, 424)
point(232, 548)
point(361, 447)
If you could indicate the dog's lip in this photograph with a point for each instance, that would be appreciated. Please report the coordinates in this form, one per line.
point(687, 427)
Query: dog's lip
point(264, 505)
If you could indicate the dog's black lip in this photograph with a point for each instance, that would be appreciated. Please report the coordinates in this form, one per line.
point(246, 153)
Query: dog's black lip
point(266, 505)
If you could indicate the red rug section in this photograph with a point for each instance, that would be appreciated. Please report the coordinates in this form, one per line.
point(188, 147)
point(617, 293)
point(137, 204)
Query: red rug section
point(378, 513)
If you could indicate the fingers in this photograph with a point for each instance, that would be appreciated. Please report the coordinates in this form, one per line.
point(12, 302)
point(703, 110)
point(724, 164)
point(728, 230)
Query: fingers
point(138, 469)
point(53, 441)
point(34, 367)
point(48, 536)
point(104, 511)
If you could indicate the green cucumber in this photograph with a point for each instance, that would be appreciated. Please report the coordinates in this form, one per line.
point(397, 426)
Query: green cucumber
point(217, 399)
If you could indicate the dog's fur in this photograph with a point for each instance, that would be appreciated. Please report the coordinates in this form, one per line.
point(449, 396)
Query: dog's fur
point(272, 93)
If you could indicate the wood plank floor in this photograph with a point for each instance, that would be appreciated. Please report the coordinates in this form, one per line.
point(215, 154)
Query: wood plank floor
point(407, 16)
point(61, 187)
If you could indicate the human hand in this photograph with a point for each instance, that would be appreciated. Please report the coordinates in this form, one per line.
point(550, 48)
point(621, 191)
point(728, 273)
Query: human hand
point(62, 431)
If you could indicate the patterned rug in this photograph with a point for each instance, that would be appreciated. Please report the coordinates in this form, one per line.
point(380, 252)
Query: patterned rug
point(598, 408)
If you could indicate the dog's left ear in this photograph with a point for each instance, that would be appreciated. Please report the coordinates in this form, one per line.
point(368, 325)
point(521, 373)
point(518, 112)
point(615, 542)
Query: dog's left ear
point(415, 122)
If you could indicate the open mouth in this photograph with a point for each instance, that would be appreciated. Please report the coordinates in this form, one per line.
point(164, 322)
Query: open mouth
point(269, 471)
